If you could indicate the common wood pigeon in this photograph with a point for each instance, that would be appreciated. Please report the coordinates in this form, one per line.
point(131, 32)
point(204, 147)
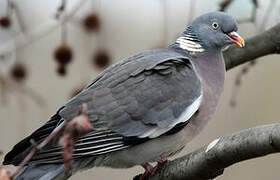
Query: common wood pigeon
point(144, 108)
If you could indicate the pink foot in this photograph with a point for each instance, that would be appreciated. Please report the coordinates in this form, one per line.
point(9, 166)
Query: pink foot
point(150, 170)
point(162, 161)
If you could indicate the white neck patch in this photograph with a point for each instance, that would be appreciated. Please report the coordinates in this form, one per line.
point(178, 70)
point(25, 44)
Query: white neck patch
point(190, 44)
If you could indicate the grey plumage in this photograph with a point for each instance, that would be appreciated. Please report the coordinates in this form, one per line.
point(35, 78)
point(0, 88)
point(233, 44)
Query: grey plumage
point(138, 94)
point(144, 107)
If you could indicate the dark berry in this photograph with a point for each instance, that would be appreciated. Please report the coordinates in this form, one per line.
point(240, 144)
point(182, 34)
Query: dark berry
point(253, 62)
point(101, 59)
point(237, 82)
point(5, 22)
point(18, 72)
point(245, 70)
point(91, 22)
point(61, 70)
point(63, 54)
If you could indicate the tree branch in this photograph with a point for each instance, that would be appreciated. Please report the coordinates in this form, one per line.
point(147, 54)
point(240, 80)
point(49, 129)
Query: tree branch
point(263, 44)
point(210, 161)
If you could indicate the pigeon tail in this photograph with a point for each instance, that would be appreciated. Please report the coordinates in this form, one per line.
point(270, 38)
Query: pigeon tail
point(43, 172)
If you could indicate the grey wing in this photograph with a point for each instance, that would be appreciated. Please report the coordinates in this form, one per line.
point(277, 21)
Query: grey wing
point(141, 98)
point(138, 98)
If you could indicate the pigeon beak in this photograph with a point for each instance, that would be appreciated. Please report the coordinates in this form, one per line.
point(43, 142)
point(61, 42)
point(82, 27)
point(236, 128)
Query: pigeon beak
point(237, 39)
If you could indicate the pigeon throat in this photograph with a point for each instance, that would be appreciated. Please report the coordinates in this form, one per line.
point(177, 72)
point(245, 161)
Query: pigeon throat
point(190, 42)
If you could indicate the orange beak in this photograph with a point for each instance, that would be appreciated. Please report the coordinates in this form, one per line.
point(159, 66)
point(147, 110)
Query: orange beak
point(237, 39)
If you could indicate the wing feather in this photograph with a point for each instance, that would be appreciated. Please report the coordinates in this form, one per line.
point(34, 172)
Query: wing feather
point(140, 98)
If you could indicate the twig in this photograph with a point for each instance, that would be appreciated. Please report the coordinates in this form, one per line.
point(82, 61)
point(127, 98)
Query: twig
point(238, 81)
point(267, 14)
point(40, 32)
point(245, 69)
point(72, 129)
point(63, 27)
point(9, 8)
point(38, 148)
point(252, 17)
point(78, 126)
point(3, 95)
point(210, 161)
point(225, 4)
point(254, 11)
point(263, 44)
point(19, 17)
point(60, 9)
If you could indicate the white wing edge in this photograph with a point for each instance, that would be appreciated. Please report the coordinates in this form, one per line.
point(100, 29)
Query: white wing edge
point(185, 116)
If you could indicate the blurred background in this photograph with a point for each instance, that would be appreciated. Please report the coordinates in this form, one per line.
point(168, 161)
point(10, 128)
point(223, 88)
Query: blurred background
point(50, 49)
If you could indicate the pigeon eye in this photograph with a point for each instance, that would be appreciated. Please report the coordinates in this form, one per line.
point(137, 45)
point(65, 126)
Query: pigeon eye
point(215, 25)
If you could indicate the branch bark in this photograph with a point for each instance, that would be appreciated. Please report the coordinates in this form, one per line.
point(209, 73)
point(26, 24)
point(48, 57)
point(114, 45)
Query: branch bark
point(263, 44)
point(210, 161)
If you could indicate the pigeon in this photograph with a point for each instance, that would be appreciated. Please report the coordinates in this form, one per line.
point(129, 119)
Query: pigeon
point(144, 108)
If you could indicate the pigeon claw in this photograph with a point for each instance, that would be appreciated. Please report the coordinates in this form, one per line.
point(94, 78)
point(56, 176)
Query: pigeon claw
point(151, 170)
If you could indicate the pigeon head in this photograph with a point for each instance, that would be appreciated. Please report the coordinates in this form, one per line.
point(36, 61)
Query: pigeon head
point(210, 31)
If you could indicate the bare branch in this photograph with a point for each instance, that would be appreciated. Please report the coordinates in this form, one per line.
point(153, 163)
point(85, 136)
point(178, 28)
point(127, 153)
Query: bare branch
point(263, 44)
point(78, 126)
point(225, 4)
point(37, 148)
point(210, 161)
point(35, 35)
point(72, 130)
